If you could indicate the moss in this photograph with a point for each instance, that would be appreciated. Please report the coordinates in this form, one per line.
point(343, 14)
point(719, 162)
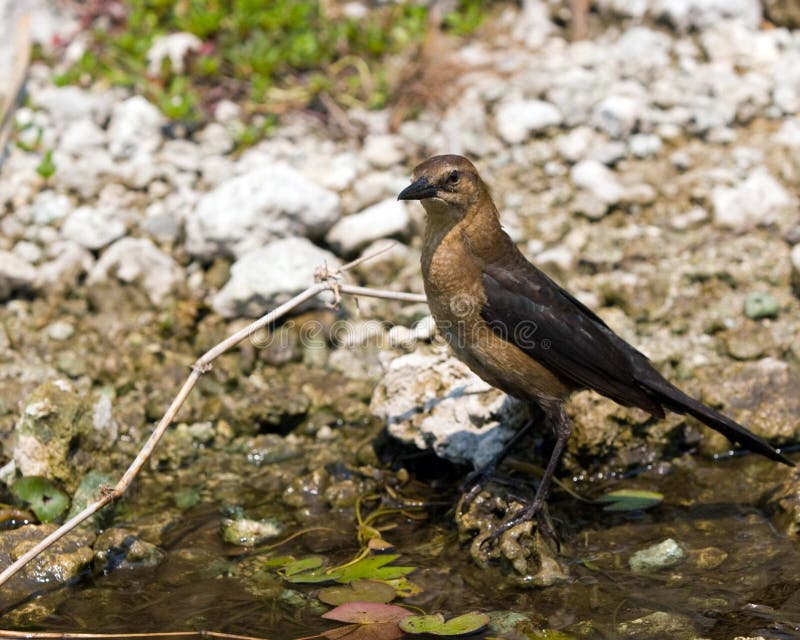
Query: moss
point(268, 56)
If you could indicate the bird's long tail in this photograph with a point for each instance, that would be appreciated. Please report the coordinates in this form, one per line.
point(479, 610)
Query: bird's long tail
point(676, 400)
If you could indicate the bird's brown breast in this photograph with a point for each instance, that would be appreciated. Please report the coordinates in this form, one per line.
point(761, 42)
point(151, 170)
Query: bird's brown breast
point(452, 275)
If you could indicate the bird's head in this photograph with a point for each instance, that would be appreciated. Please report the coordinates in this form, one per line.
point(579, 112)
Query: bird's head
point(446, 183)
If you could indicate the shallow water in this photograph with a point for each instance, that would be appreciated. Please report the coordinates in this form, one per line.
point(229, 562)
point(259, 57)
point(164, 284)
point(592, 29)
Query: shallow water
point(740, 576)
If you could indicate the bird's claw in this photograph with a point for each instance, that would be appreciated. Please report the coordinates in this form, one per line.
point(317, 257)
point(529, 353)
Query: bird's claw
point(534, 510)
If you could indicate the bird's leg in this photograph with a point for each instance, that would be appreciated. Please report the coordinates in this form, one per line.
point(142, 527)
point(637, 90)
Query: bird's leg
point(562, 426)
point(476, 481)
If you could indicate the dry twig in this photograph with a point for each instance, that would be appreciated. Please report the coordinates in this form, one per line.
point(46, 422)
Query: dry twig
point(327, 281)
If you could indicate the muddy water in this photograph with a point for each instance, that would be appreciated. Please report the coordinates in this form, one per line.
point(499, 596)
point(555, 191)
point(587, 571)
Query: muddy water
point(740, 575)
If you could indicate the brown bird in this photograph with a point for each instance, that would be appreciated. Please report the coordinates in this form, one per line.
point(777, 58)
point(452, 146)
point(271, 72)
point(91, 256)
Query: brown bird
point(520, 331)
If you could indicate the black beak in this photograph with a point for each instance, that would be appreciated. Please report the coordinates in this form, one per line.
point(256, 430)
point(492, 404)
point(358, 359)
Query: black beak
point(418, 190)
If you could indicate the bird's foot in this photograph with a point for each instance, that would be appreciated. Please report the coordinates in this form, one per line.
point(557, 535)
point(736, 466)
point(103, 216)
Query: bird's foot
point(535, 510)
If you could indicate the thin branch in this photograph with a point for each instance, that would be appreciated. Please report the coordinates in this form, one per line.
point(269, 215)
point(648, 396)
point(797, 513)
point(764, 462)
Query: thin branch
point(67, 635)
point(327, 281)
point(22, 56)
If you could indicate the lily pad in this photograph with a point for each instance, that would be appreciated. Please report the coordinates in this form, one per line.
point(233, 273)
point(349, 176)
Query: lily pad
point(378, 631)
point(46, 500)
point(435, 624)
point(374, 568)
point(367, 613)
point(358, 591)
point(630, 500)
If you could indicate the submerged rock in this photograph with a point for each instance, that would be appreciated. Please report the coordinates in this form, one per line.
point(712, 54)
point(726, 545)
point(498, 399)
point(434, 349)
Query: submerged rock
point(121, 548)
point(659, 556)
point(435, 402)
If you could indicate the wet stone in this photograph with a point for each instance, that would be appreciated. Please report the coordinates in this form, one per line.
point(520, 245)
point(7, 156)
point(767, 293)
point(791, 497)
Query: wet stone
point(121, 548)
point(246, 532)
point(663, 555)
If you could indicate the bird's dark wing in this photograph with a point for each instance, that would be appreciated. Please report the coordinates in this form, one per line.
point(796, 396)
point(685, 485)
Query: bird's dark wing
point(531, 311)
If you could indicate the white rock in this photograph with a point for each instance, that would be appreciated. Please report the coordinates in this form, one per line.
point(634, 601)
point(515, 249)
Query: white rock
point(184, 155)
point(135, 128)
point(227, 111)
point(617, 115)
point(335, 172)
point(383, 220)
point(599, 180)
point(753, 202)
point(28, 251)
point(789, 134)
point(270, 275)
point(574, 145)
point(69, 262)
point(384, 150)
point(267, 202)
point(517, 119)
point(60, 330)
point(65, 104)
point(436, 402)
point(701, 14)
point(93, 227)
point(15, 274)
point(533, 24)
point(138, 260)
point(644, 145)
point(174, 47)
point(81, 135)
point(85, 174)
point(215, 139)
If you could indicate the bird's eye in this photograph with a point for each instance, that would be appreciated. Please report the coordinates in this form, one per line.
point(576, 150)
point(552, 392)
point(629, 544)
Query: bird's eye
point(453, 177)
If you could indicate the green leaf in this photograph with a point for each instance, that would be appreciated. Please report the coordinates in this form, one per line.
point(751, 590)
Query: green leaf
point(404, 588)
point(46, 500)
point(373, 567)
point(436, 625)
point(278, 561)
point(358, 591)
point(303, 565)
point(46, 167)
point(630, 500)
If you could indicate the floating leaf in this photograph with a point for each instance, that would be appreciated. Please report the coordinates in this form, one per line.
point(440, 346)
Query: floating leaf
point(358, 591)
point(366, 613)
point(436, 625)
point(45, 499)
point(373, 567)
point(278, 561)
point(303, 565)
point(378, 631)
point(316, 576)
point(403, 587)
point(630, 500)
point(379, 545)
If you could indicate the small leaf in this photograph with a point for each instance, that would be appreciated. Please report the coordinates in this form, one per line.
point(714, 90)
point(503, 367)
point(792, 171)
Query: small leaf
point(630, 500)
point(404, 588)
point(316, 576)
point(303, 565)
point(373, 567)
point(278, 561)
point(46, 500)
point(377, 631)
point(436, 625)
point(358, 591)
point(366, 613)
point(379, 545)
